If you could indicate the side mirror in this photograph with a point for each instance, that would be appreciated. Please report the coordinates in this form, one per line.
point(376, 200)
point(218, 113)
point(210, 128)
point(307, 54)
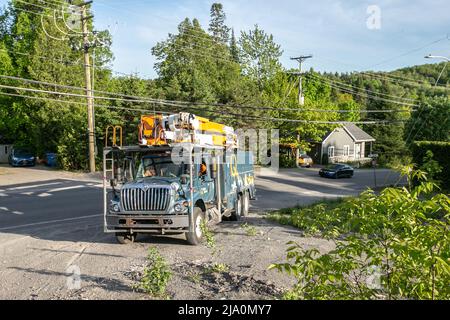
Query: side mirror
point(184, 179)
point(113, 183)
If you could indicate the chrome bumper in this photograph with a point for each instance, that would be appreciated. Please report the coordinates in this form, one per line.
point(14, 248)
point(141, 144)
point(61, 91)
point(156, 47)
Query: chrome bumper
point(147, 223)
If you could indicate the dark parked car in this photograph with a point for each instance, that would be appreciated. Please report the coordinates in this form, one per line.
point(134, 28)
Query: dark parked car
point(337, 171)
point(22, 158)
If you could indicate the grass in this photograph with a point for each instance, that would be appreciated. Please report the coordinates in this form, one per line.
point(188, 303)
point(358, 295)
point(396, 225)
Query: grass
point(250, 231)
point(196, 278)
point(323, 219)
point(208, 235)
point(217, 268)
point(285, 216)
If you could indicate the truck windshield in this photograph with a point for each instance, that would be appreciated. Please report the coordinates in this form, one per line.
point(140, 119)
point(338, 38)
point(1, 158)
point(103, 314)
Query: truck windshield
point(162, 167)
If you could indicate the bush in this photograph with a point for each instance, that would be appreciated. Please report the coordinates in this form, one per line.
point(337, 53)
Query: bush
point(395, 245)
point(287, 162)
point(441, 151)
point(156, 275)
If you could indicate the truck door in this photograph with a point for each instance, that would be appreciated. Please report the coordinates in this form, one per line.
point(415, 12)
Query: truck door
point(206, 185)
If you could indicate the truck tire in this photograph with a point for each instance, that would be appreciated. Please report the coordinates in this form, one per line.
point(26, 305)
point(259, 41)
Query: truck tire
point(195, 238)
point(237, 213)
point(125, 238)
point(245, 204)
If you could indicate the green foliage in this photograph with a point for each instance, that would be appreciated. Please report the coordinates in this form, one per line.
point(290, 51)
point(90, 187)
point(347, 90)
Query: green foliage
point(431, 167)
point(156, 275)
point(286, 161)
point(217, 27)
point(424, 126)
point(234, 49)
point(204, 67)
point(208, 235)
point(395, 245)
point(260, 55)
point(217, 268)
point(440, 151)
point(26, 50)
point(250, 231)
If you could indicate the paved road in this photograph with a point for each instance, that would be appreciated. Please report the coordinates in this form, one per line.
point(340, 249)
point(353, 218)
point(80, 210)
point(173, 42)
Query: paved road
point(295, 187)
point(56, 197)
point(51, 220)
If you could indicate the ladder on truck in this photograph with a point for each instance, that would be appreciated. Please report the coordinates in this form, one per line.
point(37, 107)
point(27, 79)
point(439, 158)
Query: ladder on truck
point(108, 161)
point(109, 169)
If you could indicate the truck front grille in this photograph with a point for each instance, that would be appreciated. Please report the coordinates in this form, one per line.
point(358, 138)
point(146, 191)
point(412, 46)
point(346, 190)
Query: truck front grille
point(138, 200)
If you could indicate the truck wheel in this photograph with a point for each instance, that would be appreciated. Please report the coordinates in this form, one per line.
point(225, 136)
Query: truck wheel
point(196, 237)
point(245, 204)
point(237, 214)
point(125, 238)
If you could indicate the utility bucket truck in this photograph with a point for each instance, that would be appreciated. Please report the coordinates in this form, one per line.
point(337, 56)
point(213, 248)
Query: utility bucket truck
point(185, 172)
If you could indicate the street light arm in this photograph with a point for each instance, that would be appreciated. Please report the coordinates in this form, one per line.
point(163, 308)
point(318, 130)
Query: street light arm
point(437, 57)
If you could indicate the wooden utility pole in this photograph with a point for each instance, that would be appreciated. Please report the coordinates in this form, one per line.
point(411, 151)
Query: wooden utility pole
point(89, 93)
point(301, 97)
point(300, 60)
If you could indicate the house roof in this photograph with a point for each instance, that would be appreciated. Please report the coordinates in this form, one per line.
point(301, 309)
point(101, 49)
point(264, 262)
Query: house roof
point(358, 134)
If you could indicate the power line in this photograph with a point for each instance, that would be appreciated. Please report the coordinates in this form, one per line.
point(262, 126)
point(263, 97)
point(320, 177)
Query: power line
point(213, 112)
point(77, 103)
point(386, 77)
point(359, 88)
point(121, 10)
point(32, 12)
point(68, 62)
point(37, 6)
point(364, 95)
point(181, 47)
point(132, 98)
point(409, 52)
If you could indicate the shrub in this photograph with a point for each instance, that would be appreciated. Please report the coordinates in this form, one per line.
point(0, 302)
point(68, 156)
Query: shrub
point(287, 162)
point(156, 275)
point(441, 151)
point(395, 245)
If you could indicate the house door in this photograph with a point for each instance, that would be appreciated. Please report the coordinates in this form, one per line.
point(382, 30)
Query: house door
point(358, 151)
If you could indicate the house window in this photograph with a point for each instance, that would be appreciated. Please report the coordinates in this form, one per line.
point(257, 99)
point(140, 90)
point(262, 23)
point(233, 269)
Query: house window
point(346, 151)
point(331, 152)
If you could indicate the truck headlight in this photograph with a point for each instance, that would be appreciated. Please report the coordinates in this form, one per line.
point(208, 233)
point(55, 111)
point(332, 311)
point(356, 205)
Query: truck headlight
point(115, 206)
point(181, 207)
point(178, 208)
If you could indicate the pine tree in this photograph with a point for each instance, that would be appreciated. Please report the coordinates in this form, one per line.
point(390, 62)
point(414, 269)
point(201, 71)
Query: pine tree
point(217, 26)
point(234, 49)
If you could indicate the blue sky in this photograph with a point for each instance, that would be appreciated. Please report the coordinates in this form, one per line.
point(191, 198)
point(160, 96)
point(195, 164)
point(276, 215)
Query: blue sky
point(336, 32)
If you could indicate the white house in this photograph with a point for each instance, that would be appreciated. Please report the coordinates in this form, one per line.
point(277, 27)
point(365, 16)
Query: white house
point(348, 143)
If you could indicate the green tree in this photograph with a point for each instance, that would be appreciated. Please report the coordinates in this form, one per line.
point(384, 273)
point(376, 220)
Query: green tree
point(423, 125)
point(41, 50)
point(234, 48)
point(260, 55)
point(196, 69)
point(217, 26)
